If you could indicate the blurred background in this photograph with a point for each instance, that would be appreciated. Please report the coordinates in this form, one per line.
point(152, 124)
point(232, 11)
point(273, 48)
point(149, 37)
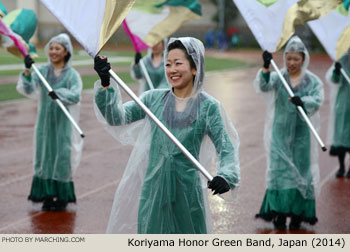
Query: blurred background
point(221, 26)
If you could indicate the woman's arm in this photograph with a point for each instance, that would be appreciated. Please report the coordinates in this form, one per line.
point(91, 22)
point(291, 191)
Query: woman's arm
point(71, 94)
point(109, 103)
point(223, 145)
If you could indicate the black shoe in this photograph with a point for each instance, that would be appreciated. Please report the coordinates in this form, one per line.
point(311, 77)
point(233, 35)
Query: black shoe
point(280, 222)
point(59, 205)
point(48, 204)
point(348, 173)
point(340, 172)
point(295, 223)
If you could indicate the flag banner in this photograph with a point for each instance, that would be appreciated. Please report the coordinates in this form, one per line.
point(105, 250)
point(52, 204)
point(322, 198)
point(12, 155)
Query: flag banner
point(135, 40)
point(91, 22)
point(3, 10)
point(16, 40)
point(153, 20)
point(333, 31)
point(265, 19)
point(302, 12)
point(272, 21)
point(22, 23)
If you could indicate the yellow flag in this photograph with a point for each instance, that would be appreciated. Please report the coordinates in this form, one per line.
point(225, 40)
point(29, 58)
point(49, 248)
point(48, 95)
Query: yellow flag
point(303, 11)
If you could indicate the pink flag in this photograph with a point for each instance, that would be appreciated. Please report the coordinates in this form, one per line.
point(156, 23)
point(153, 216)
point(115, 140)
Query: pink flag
point(135, 40)
point(18, 41)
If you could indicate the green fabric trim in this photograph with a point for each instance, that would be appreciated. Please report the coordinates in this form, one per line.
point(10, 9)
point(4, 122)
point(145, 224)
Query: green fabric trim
point(267, 3)
point(27, 77)
point(266, 76)
point(193, 5)
point(288, 202)
point(3, 10)
point(43, 188)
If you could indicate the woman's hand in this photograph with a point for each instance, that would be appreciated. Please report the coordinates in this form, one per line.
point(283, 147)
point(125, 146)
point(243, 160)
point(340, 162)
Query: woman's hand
point(218, 185)
point(102, 66)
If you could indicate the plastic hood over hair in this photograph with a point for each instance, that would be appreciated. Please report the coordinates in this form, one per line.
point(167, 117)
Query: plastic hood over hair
point(195, 49)
point(65, 41)
point(296, 45)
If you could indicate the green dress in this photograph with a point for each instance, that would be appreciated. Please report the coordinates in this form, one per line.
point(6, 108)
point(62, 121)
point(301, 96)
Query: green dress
point(340, 128)
point(171, 198)
point(291, 160)
point(56, 153)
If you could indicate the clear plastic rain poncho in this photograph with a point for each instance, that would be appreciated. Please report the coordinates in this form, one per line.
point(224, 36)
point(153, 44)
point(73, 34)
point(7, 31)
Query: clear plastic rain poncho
point(156, 73)
point(57, 144)
point(292, 150)
point(339, 119)
point(161, 191)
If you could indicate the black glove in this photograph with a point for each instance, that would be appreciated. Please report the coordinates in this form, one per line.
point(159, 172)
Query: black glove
point(267, 57)
point(297, 101)
point(28, 61)
point(219, 185)
point(53, 95)
point(337, 67)
point(102, 67)
point(138, 56)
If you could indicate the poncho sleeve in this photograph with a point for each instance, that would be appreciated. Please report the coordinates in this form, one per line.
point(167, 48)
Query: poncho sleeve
point(227, 153)
point(71, 94)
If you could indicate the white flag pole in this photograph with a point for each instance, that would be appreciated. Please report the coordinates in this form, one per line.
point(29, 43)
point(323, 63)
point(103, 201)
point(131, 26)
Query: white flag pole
point(145, 73)
point(345, 75)
point(301, 110)
point(160, 125)
point(58, 101)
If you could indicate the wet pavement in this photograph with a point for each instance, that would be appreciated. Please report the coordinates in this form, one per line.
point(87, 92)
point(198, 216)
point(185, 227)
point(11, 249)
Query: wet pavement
point(104, 159)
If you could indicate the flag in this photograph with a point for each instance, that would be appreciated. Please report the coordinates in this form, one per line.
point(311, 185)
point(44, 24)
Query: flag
point(151, 21)
point(272, 21)
point(91, 22)
point(333, 31)
point(17, 40)
point(3, 11)
point(22, 22)
point(135, 40)
point(302, 12)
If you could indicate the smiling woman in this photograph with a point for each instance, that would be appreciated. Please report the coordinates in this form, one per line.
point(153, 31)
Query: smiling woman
point(57, 147)
point(167, 191)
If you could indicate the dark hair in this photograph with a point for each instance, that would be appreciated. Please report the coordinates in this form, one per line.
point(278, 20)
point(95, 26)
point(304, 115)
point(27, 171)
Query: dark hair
point(178, 45)
point(67, 57)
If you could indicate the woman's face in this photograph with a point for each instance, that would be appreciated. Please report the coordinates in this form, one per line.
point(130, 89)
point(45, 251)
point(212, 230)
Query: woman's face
point(294, 62)
point(57, 52)
point(178, 69)
point(158, 48)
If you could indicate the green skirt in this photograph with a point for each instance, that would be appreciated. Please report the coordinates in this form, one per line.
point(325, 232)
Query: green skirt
point(287, 202)
point(44, 188)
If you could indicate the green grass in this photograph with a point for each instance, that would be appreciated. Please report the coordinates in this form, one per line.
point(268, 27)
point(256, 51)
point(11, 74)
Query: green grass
point(215, 64)
point(9, 92)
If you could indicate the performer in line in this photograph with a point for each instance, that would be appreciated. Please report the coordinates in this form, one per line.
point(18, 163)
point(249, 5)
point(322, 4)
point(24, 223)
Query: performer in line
point(339, 123)
point(57, 145)
point(161, 190)
point(154, 64)
point(292, 177)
